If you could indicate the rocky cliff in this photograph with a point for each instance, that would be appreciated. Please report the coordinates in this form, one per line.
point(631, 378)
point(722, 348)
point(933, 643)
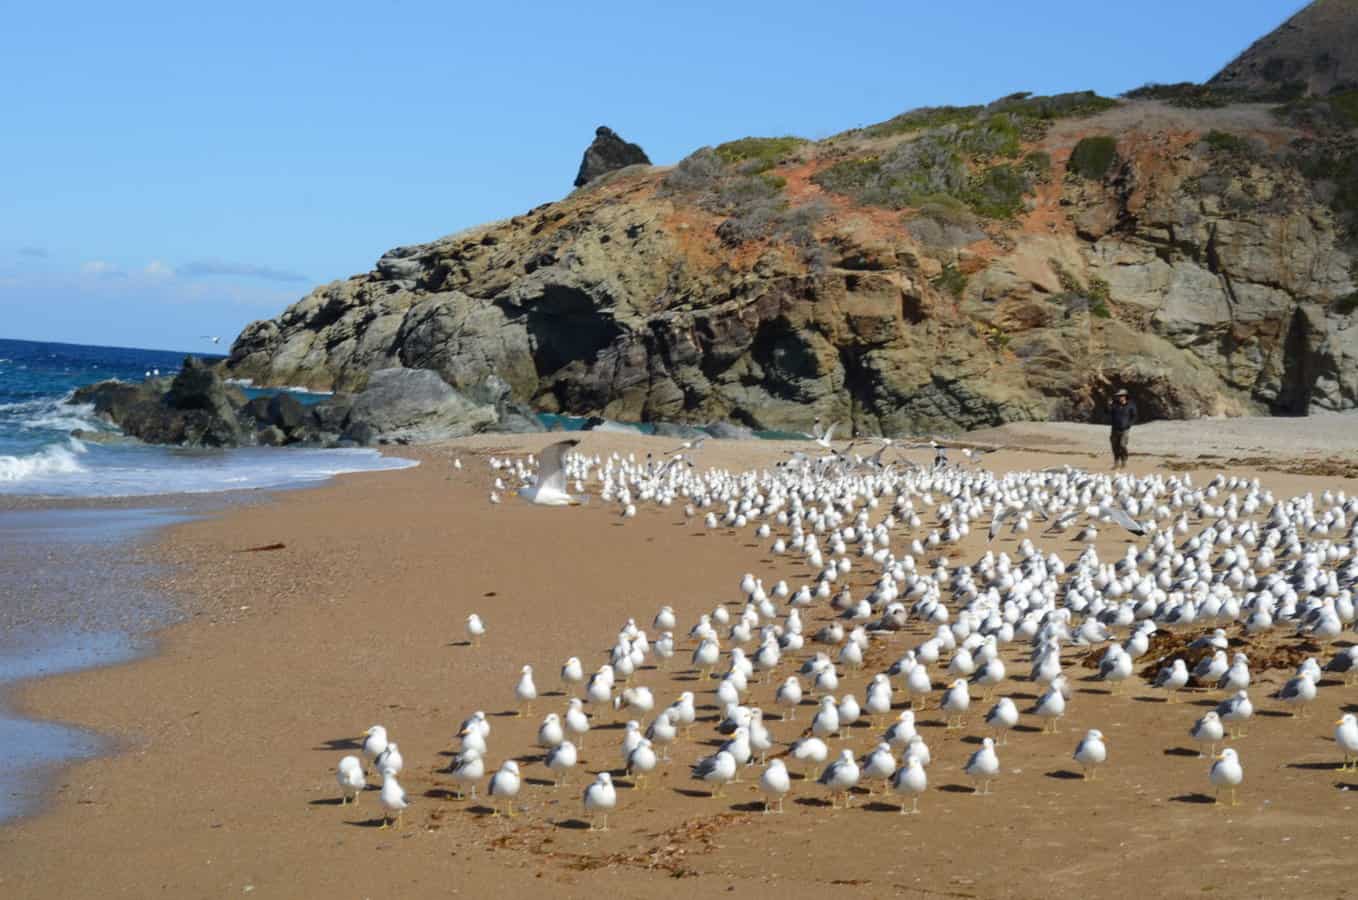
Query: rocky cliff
point(948, 268)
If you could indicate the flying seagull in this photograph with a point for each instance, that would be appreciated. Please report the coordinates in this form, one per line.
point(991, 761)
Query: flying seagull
point(550, 487)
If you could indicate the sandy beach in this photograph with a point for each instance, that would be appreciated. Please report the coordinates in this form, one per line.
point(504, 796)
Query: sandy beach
point(228, 736)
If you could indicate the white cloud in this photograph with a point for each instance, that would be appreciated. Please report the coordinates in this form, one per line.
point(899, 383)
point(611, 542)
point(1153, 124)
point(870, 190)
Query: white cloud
point(157, 269)
point(98, 267)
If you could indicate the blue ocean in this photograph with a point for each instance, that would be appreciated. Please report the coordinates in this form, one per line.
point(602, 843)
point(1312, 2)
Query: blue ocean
point(75, 590)
point(39, 457)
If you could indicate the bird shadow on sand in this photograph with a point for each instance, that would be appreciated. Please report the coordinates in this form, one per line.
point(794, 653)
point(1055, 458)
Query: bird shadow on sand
point(1317, 766)
point(749, 806)
point(1183, 751)
point(973, 739)
point(1192, 798)
point(1145, 699)
point(609, 726)
point(540, 782)
point(958, 789)
point(691, 792)
point(1345, 786)
point(1103, 691)
point(1064, 775)
point(1273, 714)
point(878, 806)
point(459, 643)
point(507, 714)
point(812, 801)
point(1019, 695)
point(480, 811)
point(573, 824)
point(368, 823)
point(1027, 729)
point(442, 794)
point(339, 744)
point(327, 801)
point(1202, 703)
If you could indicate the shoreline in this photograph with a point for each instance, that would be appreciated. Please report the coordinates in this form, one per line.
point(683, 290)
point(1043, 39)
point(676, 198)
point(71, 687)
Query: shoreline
point(326, 646)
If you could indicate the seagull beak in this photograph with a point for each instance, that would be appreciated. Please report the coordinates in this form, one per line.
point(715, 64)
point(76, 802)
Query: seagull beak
point(1339, 721)
point(1220, 756)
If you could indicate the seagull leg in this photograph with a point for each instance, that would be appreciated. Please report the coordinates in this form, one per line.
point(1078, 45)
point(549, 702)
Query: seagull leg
point(386, 822)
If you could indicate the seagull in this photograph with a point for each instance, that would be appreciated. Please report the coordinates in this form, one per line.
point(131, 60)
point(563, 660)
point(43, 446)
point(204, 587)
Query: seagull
point(351, 779)
point(393, 798)
point(955, 702)
point(1237, 709)
point(505, 783)
point(911, 779)
point(390, 758)
point(216, 339)
point(984, 765)
point(550, 487)
point(1297, 692)
point(840, 777)
point(1003, 716)
point(469, 767)
point(577, 721)
point(526, 691)
point(572, 672)
point(1227, 772)
point(1208, 730)
point(641, 761)
point(718, 769)
point(1051, 706)
point(1091, 752)
point(561, 759)
point(695, 444)
point(475, 629)
point(1172, 678)
point(600, 796)
point(775, 783)
point(550, 733)
point(375, 741)
point(810, 751)
point(1346, 736)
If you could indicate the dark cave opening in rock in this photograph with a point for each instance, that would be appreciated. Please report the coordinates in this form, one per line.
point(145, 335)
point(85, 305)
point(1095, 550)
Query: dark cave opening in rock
point(564, 327)
point(1299, 373)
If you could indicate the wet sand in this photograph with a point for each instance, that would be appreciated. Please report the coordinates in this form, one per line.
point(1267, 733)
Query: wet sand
point(231, 733)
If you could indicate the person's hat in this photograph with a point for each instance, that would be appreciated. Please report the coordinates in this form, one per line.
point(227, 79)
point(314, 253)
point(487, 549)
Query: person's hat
point(1122, 392)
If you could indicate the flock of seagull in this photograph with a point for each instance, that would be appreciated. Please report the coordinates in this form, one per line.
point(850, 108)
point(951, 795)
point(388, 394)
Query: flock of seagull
point(1198, 559)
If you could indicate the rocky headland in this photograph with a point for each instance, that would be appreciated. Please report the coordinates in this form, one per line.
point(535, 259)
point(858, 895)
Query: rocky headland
point(948, 268)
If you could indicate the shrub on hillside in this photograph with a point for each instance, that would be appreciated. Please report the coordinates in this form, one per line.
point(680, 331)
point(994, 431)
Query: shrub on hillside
point(754, 155)
point(1093, 157)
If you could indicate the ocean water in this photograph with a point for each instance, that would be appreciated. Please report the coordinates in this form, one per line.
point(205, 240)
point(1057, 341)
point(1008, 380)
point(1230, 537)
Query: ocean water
point(75, 592)
point(39, 457)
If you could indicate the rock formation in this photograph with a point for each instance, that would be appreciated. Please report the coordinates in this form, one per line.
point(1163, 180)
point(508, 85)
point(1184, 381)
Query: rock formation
point(197, 409)
point(946, 269)
point(607, 154)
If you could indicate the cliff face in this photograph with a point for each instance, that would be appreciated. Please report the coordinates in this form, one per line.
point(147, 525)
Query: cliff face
point(947, 269)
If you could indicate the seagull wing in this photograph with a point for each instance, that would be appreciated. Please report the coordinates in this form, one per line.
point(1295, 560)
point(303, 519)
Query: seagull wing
point(1121, 518)
point(551, 468)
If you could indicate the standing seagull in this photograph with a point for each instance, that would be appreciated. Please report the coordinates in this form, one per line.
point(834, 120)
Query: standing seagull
point(775, 783)
point(550, 487)
point(393, 799)
point(475, 629)
point(505, 783)
point(526, 691)
point(984, 765)
point(1346, 736)
point(600, 796)
point(1227, 772)
point(1091, 752)
point(840, 777)
point(351, 779)
point(910, 779)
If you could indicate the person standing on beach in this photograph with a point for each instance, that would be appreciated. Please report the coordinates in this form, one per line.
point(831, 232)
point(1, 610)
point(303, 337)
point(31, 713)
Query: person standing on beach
point(1122, 414)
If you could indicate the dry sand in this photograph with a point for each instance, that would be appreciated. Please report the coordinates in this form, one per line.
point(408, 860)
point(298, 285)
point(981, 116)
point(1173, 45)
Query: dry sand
point(230, 734)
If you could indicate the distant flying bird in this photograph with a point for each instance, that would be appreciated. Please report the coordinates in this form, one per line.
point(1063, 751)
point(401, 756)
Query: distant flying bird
point(211, 337)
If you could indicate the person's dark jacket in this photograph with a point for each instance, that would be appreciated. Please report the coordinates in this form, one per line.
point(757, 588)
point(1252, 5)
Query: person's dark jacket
point(1123, 416)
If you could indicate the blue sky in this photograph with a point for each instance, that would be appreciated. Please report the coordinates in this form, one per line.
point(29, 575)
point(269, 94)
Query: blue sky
point(176, 170)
